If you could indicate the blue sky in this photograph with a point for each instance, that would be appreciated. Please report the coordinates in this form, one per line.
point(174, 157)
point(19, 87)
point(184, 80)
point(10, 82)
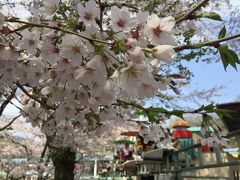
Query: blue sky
point(207, 76)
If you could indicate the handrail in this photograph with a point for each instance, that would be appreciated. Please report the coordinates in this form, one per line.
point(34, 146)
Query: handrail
point(233, 163)
point(187, 148)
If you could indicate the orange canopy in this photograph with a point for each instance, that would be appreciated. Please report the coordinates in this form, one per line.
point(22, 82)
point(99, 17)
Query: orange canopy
point(130, 133)
point(181, 123)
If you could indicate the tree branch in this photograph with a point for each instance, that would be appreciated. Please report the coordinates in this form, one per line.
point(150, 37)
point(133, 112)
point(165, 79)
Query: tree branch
point(7, 101)
point(28, 152)
point(58, 29)
point(10, 123)
point(162, 110)
point(101, 14)
point(214, 43)
point(191, 12)
point(34, 98)
point(44, 151)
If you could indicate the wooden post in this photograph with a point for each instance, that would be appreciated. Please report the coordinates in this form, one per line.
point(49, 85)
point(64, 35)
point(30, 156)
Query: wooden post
point(177, 167)
point(167, 163)
point(186, 159)
point(218, 154)
point(95, 168)
point(200, 155)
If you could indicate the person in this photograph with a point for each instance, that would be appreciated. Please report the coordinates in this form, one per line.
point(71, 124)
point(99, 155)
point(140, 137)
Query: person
point(127, 152)
point(121, 155)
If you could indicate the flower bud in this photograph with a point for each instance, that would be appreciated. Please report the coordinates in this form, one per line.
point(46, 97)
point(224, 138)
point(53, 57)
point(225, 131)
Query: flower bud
point(164, 53)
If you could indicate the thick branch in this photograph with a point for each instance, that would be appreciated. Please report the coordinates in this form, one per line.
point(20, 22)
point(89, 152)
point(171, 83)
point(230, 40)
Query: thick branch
point(34, 98)
point(190, 13)
point(214, 43)
point(58, 29)
point(9, 98)
point(10, 123)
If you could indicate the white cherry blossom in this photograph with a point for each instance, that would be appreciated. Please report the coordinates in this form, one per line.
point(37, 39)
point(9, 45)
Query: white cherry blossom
point(49, 8)
point(73, 48)
point(30, 41)
point(120, 19)
point(136, 55)
point(165, 53)
point(159, 31)
point(88, 13)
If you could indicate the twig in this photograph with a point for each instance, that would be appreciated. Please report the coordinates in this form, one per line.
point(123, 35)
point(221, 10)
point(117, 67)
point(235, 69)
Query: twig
point(58, 29)
point(34, 98)
point(9, 98)
point(214, 43)
point(101, 14)
point(44, 151)
point(160, 110)
point(28, 152)
point(188, 15)
point(10, 123)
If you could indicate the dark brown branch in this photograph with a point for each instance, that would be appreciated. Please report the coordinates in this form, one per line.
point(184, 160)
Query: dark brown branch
point(214, 43)
point(34, 98)
point(101, 14)
point(44, 151)
point(10, 123)
point(58, 29)
point(7, 101)
point(191, 12)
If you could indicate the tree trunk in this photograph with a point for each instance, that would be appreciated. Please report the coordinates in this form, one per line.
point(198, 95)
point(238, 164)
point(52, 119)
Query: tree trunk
point(64, 162)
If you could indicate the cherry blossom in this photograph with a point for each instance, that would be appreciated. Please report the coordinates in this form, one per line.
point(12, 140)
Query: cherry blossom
point(136, 55)
point(49, 8)
point(73, 49)
point(159, 31)
point(120, 19)
point(88, 13)
point(164, 53)
point(30, 41)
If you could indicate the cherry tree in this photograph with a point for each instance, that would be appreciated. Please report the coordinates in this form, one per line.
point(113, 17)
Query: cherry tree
point(82, 66)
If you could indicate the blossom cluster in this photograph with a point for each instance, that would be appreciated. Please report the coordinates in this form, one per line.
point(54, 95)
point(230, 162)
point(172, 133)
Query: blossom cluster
point(74, 61)
point(156, 133)
point(78, 80)
point(213, 139)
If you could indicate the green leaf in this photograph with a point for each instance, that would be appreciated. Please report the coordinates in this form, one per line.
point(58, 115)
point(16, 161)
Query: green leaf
point(178, 113)
point(228, 57)
point(120, 45)
point(24, 27)
point(209, 108)
point(124, 141)
point(210, 15)
point(179, 15)
point(223, 54)
point(234, 56)
point(151, 117)
point(207, 118)
point(222, 33)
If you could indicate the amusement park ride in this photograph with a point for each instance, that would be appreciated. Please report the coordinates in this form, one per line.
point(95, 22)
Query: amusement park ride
point(185, 159)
